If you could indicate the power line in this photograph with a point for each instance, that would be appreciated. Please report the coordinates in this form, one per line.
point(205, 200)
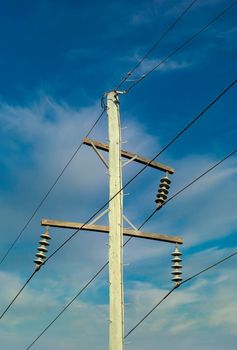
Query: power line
point(49, 191)
point(63, 170)
point(194, 120)
point(64, 309)
point(191, 183)
point(76, 151)
point(157, 43)
point(51, 188)
point(103, 267)
point(143, 168)
point(75, 297)
point(183, 282)
point(185, 43)
point(16, 296)
point(143, 319)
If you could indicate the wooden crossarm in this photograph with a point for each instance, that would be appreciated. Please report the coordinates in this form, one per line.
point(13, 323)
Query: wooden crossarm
point(129, 155)
point(105, 229)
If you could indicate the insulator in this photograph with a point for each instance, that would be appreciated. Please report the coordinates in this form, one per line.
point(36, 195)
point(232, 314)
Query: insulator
point(176, 259)
point(163, 191)
point(161, 195)
point(38, 261)
point(165, 180)
point(45, 235)
point(42, 249)
point(44, 242)
point(176, 266)
point(159, 199)
point(177, 279)
point(176, 252)
point(164, 186)
point(41, 255)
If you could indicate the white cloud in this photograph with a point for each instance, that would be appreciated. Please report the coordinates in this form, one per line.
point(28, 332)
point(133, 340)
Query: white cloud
point(170, 65)
point(51, 131)
point(149, 64)
point(33, 310)
point(200, 309)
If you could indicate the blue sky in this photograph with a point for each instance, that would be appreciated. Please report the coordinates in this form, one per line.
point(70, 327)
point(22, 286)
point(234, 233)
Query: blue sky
point(57, 59)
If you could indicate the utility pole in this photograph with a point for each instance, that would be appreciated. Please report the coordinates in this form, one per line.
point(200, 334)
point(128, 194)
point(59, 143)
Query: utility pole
point(116, 216)
point(116, 299)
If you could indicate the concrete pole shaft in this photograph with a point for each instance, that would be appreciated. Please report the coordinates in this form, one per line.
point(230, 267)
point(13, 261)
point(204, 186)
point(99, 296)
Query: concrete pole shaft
point(116, 328)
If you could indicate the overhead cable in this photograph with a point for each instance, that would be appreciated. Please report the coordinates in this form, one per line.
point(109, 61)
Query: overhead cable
point(49, 191)
point(128, 240)
point(185, 43)
point(188, 126)
point(143, 168)
point(133, 85)
point(17, 295)
point(157, 43)
point(191, 183)
point(179, 285)
point(78, 148)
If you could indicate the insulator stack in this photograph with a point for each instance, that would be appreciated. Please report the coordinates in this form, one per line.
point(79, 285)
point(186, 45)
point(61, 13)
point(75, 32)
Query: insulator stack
point(176, 266)
point(42, 249)
point(163, 191)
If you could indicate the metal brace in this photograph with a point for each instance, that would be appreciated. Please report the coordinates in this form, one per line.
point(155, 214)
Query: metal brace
point(100, 155)
point(130, 223)
point(129, 161)
point(99, 216)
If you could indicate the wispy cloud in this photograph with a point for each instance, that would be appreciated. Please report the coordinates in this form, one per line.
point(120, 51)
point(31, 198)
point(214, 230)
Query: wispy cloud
point(148, 64)
point(200, 315)
point(50, 130)
point(168, 66)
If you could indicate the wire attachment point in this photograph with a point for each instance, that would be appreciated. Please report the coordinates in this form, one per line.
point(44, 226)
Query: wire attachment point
point(41, 256)
point(163, 191)
point(176, 266)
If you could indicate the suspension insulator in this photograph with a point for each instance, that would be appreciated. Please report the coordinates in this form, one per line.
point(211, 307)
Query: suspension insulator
point(40, 255)
point(176, 266)
point(42, 248)
point(163, 191)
